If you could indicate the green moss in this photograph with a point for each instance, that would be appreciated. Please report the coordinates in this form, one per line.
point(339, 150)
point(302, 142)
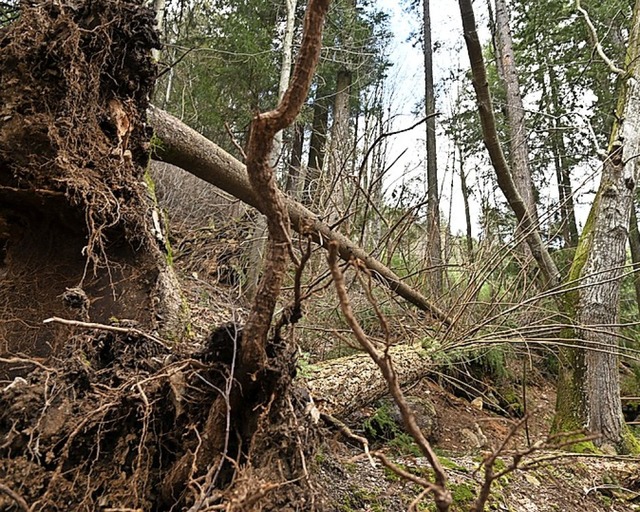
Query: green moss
point(404, 444)
point(391, 475)
point(350, 467)
point(499, 465)
point(361, 499)
point(583, 447)
point(382, 425)
point(449, 464)
point(630, 444)
point(156, 143)
point(462, 494)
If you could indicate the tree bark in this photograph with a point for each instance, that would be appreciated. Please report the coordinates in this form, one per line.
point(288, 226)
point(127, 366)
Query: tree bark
point(634, 244)
point(339, 150)
point(187, 149)
point(433, 200)
point(292, 186)
point(590, 392)
point(345, 384)
point(312, 186)
point(518, 144)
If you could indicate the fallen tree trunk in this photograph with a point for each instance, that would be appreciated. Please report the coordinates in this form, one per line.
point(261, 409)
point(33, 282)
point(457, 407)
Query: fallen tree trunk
point(344, 384)
point(185, 148)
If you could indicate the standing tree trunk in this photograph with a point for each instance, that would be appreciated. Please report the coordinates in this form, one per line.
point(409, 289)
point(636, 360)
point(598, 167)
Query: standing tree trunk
point(550, 273)
point(317, 146)
point(339, 149)
point(292, 185)
point(565, 192)
point(433, 200)
point(518, 145)
point(634, 244)
point(589, 388)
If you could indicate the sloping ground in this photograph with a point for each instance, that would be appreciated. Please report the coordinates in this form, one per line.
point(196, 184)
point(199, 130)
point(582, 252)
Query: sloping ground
point(562, 484)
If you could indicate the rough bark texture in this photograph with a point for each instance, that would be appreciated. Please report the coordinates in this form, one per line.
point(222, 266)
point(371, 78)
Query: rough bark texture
point(345, 384)
point(518, 144)
point(187, 149)
point(433, 200)
point(517, 132)
point(592, 393)
point(491, 141)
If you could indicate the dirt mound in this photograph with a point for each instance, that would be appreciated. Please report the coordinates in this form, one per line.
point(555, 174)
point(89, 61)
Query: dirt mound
point(75, 212)
point(122, 422)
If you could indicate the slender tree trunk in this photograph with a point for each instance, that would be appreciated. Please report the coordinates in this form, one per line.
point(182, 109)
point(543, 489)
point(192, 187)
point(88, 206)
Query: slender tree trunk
point(467, 211)
point(433, 201)
point(339, 150)
point(317, 147)
point(285, 70)
point(492, 142)
point(295, 163)
point(565, 193)
point(518, 145)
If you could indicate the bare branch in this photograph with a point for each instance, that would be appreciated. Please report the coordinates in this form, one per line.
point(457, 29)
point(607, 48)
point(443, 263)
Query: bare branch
point(442, 496)
point(598, 46)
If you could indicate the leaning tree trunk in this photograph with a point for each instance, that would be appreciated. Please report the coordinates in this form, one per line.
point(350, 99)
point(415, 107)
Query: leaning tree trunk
point(82, 237)
point(491, 140)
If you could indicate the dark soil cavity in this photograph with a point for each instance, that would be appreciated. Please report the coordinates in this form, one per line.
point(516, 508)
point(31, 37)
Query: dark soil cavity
point(75, 79)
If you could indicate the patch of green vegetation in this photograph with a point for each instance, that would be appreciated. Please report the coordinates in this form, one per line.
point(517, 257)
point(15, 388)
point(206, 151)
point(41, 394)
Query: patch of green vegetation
point(304, 367)
point(583, 447)
point(450, 464)
point(499, 465)
point(404, 444)
point(462, 494)
point(381, 425)
point(155, 143)
point(391, 475)
point(151, 185)
point(361, 499)
point(513, 402)
point(320, 457)
point(350, 467)
point(630, 443)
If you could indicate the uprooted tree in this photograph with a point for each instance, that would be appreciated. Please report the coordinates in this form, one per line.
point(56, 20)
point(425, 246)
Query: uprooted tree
point(107, 408)
point(128, 416)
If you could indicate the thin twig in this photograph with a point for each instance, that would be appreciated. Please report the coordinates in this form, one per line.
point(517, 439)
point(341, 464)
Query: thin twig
point(102, 327)
point(346, 431)
point(442, 496)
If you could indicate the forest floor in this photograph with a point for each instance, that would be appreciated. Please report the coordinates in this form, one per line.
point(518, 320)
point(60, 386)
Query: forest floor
point(463, 433)
point(81, 431)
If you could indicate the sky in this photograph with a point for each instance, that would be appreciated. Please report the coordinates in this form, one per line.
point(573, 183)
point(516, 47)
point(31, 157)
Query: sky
point(407, 84)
